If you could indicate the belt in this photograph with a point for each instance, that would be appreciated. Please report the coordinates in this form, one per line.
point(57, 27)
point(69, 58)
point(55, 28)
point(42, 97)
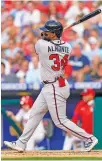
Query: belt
point(47, 82)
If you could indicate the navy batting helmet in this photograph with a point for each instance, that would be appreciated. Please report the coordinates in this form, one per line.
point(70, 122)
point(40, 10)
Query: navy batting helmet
point(53, 26)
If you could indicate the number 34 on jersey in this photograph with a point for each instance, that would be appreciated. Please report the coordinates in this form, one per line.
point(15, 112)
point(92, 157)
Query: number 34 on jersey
point(57, 63)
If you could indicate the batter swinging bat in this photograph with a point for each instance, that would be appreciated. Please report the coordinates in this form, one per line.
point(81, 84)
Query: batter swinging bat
point(84, 18)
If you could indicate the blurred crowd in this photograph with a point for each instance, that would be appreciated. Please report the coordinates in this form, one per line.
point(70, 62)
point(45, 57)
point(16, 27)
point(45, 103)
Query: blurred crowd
point(20, 22)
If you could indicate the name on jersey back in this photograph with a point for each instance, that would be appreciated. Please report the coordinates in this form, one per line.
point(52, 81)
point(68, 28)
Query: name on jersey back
point(57, 48)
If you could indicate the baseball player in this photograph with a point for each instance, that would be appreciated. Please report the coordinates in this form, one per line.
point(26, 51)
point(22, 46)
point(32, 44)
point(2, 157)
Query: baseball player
point(83, 116)
point(53, 55)
point(22, 116)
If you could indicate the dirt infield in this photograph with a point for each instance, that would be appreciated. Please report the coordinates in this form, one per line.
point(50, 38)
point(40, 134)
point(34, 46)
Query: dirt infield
point(48, 154)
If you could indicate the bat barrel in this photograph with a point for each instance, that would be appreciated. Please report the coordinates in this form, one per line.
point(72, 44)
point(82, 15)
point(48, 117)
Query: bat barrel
point(86, 17)
point(92, 14)
point(99, 10)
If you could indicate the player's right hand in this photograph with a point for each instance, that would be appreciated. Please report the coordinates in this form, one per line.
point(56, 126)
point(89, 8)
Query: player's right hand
point(9, 113)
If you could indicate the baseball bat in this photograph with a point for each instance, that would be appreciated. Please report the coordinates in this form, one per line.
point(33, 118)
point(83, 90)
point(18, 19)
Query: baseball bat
point(84, 18)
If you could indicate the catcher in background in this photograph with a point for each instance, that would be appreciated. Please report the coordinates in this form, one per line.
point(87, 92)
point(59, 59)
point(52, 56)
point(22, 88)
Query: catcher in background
point(83, 116)
point(22, 117)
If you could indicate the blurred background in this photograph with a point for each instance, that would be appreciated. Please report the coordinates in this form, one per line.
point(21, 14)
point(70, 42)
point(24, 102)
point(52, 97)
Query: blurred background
point(20, 67)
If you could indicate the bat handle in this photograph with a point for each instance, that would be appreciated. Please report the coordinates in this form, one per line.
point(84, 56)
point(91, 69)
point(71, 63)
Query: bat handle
point(75, 23)
point(67, 27)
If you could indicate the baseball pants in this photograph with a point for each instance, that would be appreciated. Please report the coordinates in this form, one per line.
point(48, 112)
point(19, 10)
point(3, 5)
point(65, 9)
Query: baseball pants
point(52, 98)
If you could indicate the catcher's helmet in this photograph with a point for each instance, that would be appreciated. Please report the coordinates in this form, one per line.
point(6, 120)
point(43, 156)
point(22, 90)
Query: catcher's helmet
point(26, 100)
point(53, 26)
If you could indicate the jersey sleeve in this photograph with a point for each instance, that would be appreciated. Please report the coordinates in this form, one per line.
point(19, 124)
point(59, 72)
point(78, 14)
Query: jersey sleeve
point(68, 70)
point(37, 47)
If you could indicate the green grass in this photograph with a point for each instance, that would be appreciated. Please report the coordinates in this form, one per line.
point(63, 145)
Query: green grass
point(57, 158)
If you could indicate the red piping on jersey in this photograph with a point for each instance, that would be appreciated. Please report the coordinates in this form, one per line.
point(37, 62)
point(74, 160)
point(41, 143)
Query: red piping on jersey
point(59, 118)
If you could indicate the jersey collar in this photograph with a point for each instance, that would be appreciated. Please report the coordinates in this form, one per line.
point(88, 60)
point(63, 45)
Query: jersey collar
point(57, 42)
